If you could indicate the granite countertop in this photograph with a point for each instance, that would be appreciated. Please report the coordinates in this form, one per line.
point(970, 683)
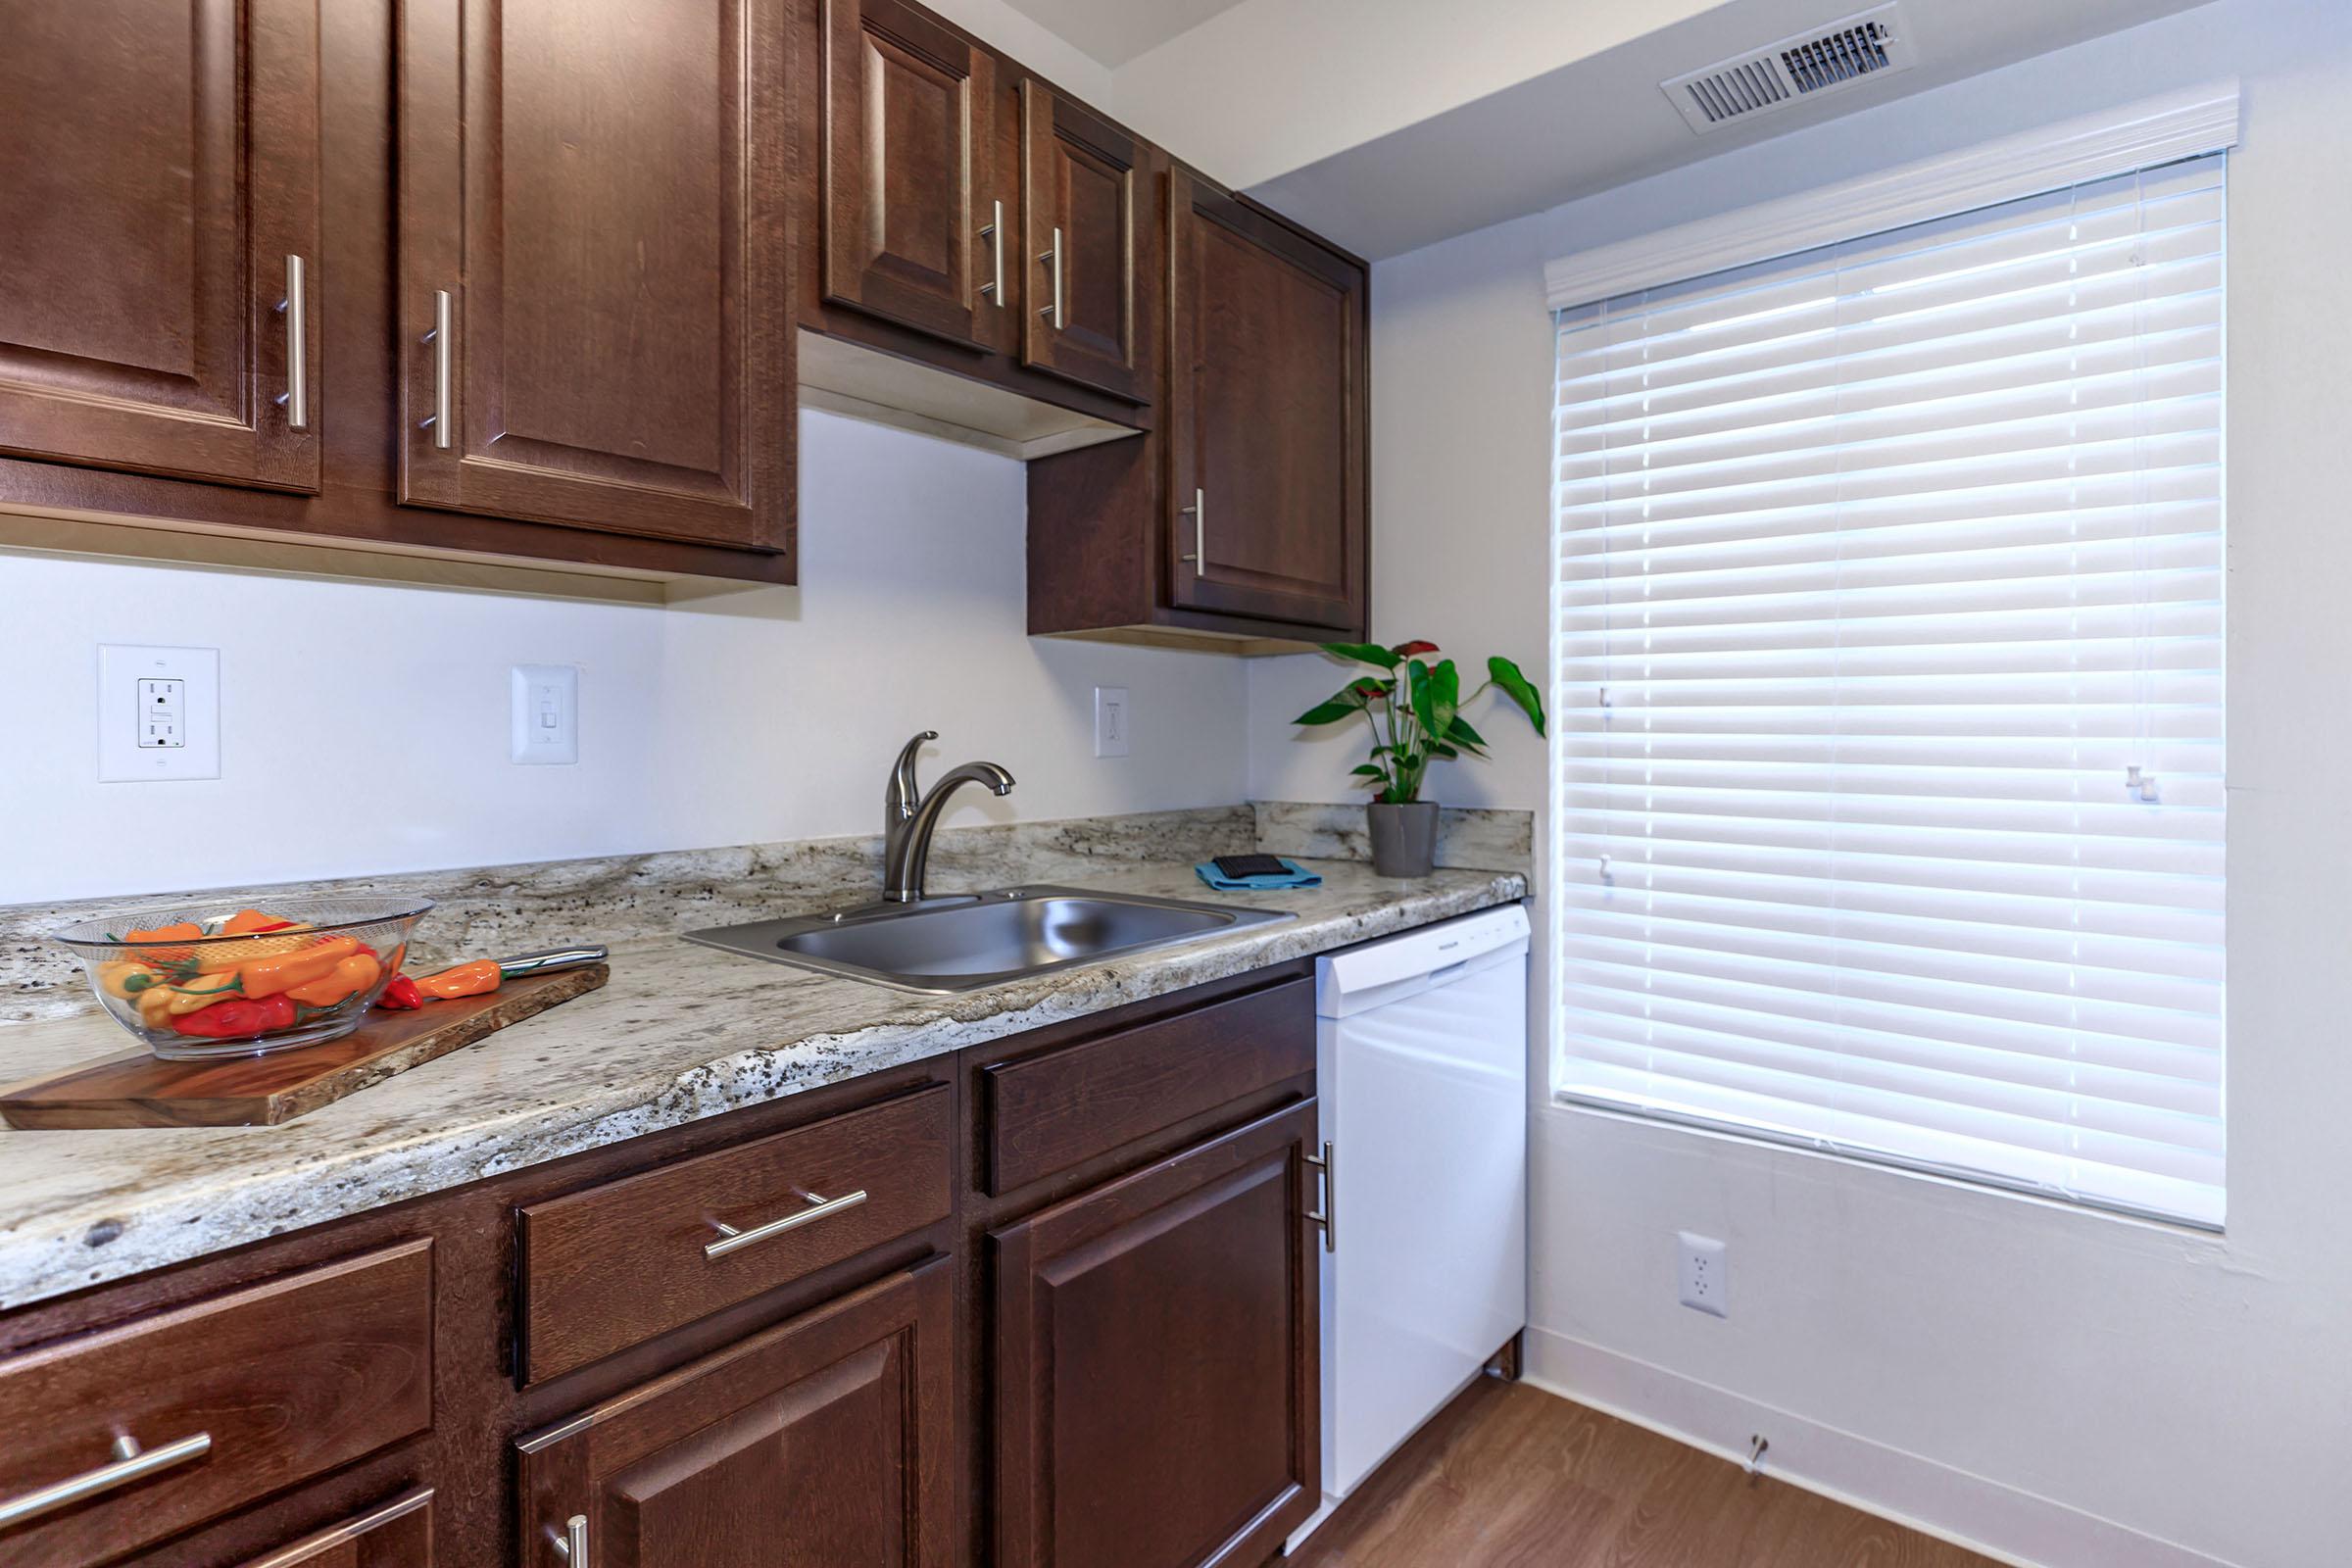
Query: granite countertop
point(680, 1033)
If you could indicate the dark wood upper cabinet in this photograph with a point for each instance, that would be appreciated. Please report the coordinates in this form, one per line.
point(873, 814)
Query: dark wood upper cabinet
point(1083, 198)
point(910, 204)
point(159, 180)
point(825, 1441)
point(1157, 1374)
point(592, 281)
point(1265, 415)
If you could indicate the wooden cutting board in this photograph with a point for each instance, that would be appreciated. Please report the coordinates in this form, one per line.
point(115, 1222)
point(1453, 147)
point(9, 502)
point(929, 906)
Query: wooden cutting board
point(138, 1089)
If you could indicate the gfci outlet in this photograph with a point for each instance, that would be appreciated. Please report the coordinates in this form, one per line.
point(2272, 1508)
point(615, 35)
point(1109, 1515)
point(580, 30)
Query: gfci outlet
point(158, 713)
point(1705, 1273)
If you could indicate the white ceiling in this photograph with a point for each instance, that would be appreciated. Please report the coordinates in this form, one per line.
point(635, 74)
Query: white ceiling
point(1115, 31)
point(1602, 122)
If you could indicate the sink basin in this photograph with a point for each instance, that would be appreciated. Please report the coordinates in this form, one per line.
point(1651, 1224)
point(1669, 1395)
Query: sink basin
point(962, 942)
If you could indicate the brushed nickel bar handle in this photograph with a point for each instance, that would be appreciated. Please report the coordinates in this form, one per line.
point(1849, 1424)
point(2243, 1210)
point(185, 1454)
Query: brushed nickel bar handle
point(1054, 255)
point(554, 959)
point(1200, 515)
point(296, 398)
point(1329, 1213)
point(731, 1239)
point(439, 338)
point(131, 1464)
point(574, 1547)
point(994, 233)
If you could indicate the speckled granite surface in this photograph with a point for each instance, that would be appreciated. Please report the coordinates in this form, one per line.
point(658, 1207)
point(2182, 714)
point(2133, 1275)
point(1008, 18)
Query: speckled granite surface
point(625, 898)
point(681, 1033)
point(1476, 839)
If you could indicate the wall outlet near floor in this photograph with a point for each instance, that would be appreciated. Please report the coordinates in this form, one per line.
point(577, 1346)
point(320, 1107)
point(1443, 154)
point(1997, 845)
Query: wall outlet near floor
point(546, 714)
point(1112, 720)
point(1704, 1273)
point(158, 713)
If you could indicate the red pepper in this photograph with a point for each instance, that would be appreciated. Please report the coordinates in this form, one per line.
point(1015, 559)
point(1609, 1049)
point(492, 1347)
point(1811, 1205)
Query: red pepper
point(401, 995)
point(238, 1017)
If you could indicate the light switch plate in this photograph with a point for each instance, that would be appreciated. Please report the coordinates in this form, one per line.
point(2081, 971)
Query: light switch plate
point(1113, 719)
point(546, 702)
point(158, 713)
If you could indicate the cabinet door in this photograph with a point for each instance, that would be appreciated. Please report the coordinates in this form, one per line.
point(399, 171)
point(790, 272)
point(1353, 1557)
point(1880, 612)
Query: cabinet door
point(822, 1442)
point(593, 300)
point(398, 1534)
point(1080, 189)
point(158, 180)
point(1267, 458)
point(1157, 1362)
point(910, 201)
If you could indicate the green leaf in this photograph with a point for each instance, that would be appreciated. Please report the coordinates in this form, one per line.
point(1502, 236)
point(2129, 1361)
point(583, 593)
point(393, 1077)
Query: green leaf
point(1441, 749)
point(1372, 654)
point(1446, 695)
point(1425, 696)
point(1368, 770)
point(1461, 734)
point(1330, 713)
point(1518, 688)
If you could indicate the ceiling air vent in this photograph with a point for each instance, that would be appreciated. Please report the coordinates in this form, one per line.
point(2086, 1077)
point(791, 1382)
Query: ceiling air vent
point(1807, 65)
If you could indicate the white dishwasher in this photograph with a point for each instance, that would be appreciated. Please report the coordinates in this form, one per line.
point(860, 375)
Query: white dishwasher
point(1422, 1086)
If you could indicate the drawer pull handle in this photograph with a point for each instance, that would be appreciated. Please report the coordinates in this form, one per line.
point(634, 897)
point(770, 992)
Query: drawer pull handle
point(731, 1239)
point(131, 1464)
point(574, 1547)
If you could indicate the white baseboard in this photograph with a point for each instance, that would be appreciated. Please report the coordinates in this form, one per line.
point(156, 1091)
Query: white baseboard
point(1969, 1510)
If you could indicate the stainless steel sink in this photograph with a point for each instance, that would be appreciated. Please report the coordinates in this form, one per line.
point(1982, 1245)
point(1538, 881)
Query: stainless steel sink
point(962, 942)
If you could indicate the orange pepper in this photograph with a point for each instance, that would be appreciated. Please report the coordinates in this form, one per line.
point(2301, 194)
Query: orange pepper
point(183, 931)
point(475, 979)
point(283, 971)
point(347, 979)
point(226, 957)
point(246, 920)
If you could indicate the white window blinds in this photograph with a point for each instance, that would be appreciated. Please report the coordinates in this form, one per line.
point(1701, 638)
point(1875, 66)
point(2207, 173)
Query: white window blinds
point(1887, 673)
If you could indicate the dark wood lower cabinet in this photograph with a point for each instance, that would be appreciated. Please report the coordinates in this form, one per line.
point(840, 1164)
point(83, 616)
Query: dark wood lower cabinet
point(1055, 1307)
point(821, 1443)
point(398, 1534)
point(1157, 1362)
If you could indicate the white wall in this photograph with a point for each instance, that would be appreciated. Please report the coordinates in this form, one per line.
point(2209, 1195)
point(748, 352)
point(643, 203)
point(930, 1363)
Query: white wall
point(2074, 1389)
point(364, 726)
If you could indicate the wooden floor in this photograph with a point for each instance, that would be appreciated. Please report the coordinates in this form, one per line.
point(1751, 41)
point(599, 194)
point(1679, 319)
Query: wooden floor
point(1510, 1477)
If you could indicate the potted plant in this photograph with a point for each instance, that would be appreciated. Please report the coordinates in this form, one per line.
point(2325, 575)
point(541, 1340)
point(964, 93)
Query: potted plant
point(1415, 710)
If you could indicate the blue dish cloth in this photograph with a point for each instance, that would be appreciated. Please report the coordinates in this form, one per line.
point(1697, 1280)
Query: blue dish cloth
point(1296, 877)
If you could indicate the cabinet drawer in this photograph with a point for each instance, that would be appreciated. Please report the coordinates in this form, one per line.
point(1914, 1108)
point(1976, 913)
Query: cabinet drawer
point(398, 1534)
point(230, 1401)
point(617, 1264)
point(1048, 1112)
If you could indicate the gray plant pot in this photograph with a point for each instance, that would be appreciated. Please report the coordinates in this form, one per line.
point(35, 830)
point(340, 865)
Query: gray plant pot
point(1404, 838)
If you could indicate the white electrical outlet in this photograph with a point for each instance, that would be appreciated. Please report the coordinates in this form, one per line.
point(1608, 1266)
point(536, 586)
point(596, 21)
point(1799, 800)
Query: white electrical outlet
point(1112, 720)
point(158, 713)
point(546, 701)
point(1704, 1273)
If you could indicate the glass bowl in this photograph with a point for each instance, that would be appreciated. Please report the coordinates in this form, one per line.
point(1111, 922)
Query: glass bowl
point(200, 981)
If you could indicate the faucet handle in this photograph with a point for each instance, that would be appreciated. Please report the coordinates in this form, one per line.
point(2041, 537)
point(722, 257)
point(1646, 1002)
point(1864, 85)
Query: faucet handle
point(898, 804)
